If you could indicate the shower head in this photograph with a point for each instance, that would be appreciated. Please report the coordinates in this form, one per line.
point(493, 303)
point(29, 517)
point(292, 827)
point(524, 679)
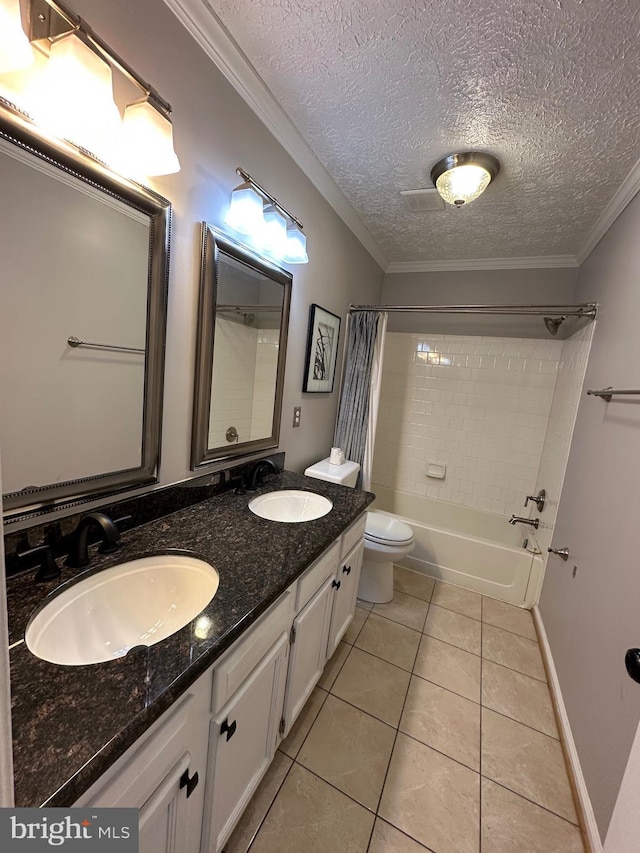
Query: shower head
point(553, 324)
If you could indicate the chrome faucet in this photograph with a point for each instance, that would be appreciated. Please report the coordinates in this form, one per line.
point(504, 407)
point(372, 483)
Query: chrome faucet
point(534, 522)
point(79, 552)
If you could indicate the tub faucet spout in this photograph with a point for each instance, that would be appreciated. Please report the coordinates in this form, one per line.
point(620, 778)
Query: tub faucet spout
point(534, 522)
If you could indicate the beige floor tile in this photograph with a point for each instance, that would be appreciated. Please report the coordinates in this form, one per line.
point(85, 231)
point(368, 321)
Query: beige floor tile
point(359, 618)
point(511, 824)
point(413, 583)
point(309, 815)
point(508, 617)
point(366, 605)
point(405, 609)
point(333, 666)
point(443, 720)
point(388, 839)
point(527, 762)
point(454, 628)
point(306, 718)
point(449, 667)
point(432, 798)
point(390, 641)
point(373, 685)
point(350, 750)
point(259, 804)
point(518, 696)
point(455, 598)
point(510, 650)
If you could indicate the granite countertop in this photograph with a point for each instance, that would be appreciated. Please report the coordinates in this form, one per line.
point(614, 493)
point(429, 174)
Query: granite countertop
point(70, 723)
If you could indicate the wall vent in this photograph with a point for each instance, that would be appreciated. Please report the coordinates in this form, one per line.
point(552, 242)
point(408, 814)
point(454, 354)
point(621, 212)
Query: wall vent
point(422, 201)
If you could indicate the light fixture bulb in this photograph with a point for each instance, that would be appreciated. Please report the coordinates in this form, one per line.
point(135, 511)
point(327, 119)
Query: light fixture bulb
point(147, 141)
point(461, 178)
point(245, 211)
point(274, 235)
point(15, 50)
point(75, 101)
point(296, 250)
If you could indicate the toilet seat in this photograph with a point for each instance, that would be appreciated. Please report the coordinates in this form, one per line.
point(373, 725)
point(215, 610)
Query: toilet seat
point(386, 530)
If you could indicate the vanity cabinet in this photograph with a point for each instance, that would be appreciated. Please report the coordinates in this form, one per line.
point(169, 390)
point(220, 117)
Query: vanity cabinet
point(194, 771)
point(242, 742)
point(163, 776)
point(346, 584)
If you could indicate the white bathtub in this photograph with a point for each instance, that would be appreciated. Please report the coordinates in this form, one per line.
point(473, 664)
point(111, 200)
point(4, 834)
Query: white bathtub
point(478, 550)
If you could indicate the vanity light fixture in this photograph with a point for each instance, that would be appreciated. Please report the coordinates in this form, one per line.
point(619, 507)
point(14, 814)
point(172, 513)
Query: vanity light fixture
point(264, 223)
point(15, 50)
point(73, 95)
point(461, 178)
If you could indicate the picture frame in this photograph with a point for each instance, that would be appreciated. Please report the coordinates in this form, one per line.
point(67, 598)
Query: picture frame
point(322, 350)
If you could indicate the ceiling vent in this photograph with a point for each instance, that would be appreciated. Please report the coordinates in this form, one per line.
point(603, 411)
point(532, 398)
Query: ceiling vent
point(422, 201)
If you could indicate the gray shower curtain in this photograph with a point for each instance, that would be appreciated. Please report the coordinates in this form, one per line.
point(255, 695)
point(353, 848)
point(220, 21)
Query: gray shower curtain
point(353, 412)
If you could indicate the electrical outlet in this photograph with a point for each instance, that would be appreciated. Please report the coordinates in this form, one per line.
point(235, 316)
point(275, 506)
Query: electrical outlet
point(297, 411)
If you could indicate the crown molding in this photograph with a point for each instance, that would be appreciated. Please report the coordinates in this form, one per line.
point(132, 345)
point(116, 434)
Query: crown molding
point(545, 262)
point(205, 27)
point(625, 194)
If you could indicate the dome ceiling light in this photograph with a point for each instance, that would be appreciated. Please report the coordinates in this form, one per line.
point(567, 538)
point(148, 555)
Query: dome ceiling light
point(461, 178)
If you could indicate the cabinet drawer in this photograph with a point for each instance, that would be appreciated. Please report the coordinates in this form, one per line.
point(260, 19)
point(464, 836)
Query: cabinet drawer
point(311, 581)
point(248, 651)
point(351, 536)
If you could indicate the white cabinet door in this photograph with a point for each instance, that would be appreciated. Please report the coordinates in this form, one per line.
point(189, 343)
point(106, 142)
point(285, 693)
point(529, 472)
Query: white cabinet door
point(307, 655)
point(164, 818)
point(345, 589)
point(242, 741)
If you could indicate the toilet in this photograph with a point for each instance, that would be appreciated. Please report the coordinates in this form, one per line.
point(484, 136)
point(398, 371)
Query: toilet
point(386, 539)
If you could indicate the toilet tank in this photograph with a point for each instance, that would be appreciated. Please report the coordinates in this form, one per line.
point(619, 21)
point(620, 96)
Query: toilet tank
point(345, 474)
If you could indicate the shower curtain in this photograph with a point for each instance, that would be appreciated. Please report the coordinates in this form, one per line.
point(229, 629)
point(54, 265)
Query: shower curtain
point(358, 410)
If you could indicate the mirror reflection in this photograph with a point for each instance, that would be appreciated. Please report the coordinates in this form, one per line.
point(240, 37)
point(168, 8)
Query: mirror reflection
point(80, 370)
point(242, 341)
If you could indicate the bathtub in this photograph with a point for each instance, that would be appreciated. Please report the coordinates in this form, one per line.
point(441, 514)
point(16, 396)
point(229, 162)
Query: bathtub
point(477, 550)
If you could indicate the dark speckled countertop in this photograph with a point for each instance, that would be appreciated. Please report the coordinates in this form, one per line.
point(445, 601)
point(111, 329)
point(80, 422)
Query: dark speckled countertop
point(71, 723)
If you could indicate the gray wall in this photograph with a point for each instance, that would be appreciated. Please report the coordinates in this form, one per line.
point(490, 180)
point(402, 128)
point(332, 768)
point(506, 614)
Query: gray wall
point(592, 620)
point(475, 287)
point(215, 131)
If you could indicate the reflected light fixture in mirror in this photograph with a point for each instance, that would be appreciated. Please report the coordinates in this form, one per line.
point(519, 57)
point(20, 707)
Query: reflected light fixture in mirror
point(461, 178)
point(264, 224)
point(72, 97)
point(15, 50)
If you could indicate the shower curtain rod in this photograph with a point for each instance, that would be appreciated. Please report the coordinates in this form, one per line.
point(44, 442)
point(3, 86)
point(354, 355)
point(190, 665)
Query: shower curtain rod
point(585, 309)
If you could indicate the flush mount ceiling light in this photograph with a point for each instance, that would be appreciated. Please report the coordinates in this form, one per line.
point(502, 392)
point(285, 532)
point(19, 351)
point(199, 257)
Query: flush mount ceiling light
point(73, 96)
point(461, 178)
point(264, 224)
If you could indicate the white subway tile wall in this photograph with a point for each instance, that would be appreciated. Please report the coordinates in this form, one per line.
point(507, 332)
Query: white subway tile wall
point(266, 369)
point(562, 418)
point(233, 369)
point(478, 405)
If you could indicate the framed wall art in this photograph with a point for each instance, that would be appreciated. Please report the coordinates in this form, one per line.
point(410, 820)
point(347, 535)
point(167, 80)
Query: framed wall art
point(322, 350)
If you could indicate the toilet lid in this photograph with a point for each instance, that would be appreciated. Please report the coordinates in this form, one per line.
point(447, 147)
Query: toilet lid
point(385, 528)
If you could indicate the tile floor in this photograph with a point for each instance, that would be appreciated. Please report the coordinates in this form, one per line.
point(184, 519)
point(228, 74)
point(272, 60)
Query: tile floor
point(430, 729)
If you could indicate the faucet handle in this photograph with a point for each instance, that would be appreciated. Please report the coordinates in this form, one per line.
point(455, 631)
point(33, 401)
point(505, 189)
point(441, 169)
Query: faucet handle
point(48, 569)
point(538, 499)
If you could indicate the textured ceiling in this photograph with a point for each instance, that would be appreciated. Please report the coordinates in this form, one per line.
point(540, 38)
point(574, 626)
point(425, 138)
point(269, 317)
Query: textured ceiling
point(382, 89)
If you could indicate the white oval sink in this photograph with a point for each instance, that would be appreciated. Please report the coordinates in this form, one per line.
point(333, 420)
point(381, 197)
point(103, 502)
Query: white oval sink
point(290, 506)
point(136, 603)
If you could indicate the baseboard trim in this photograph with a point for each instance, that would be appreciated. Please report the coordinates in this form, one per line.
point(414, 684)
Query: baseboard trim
point(586, 817)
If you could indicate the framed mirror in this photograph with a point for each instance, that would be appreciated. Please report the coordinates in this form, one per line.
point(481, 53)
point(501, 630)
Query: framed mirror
point(242, 342)
point(83, 299)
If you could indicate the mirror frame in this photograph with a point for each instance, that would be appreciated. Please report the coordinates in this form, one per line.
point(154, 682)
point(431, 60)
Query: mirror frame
point(214, 242)
point(17, 128)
